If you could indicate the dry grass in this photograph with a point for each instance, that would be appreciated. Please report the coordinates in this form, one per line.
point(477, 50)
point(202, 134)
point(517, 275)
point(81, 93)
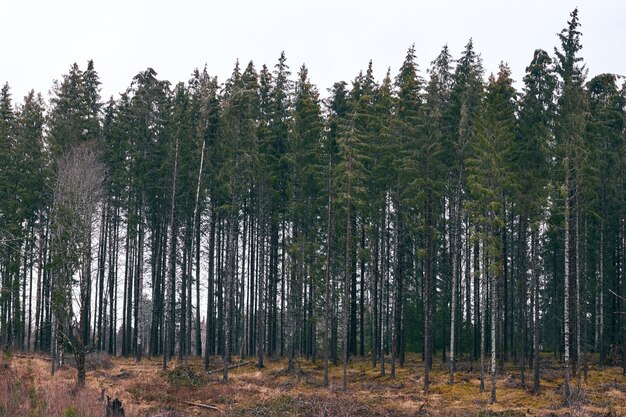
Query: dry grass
point(28, 389)
point(146, 390)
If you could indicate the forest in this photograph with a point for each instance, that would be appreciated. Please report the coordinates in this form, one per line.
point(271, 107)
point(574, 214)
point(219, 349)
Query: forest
point(440, 213)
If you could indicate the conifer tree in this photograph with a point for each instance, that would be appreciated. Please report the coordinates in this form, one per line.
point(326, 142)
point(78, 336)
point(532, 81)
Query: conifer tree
point(534, 135)
point(570, 127)
point(489, 179)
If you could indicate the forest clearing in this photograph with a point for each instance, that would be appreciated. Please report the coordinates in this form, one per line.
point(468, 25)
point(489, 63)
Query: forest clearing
point(146, 390)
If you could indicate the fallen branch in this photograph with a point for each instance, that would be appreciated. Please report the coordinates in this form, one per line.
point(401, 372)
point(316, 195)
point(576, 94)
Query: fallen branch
point(235, 365)
point(31, 357)
point(208, 406)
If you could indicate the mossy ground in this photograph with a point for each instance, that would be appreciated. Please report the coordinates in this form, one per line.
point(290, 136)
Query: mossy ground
point(146, 390)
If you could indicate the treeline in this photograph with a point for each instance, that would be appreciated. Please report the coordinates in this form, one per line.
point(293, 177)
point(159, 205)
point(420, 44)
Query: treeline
point(435, 212)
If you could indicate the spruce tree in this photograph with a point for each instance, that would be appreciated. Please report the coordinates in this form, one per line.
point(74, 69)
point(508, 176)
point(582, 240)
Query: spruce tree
point(570, 127)
point(489, 179)
point(534, 135)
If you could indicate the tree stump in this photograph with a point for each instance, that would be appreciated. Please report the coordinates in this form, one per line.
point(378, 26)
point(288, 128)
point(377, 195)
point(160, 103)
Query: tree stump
point(114, 408)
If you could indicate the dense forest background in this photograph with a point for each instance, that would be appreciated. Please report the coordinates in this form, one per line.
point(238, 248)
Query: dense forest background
point(441, 212)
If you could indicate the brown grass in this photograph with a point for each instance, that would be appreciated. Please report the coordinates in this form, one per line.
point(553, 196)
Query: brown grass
point(146, 390)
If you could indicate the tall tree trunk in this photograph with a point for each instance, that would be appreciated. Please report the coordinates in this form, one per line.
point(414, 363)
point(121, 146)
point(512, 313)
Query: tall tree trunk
point(577, 300)
point(600, 331)
point(427, 280)
point(229, 278)
point(209, 322)
point(260, 315)
point(494, 319)
point(346, 296)
point(170, 319)
point(483, 316)
point(566, 341)
point(139, 291)
point(523, 253)
point(327, 294)
point(453, 297)
point(477, 303)
point(362, 295)
point(396, 278)
point(536, 328)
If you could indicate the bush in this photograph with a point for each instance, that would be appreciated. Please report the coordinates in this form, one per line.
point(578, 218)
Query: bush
point(184, 376)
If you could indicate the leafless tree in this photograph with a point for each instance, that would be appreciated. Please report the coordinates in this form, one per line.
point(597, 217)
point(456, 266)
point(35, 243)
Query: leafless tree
point(77, 195)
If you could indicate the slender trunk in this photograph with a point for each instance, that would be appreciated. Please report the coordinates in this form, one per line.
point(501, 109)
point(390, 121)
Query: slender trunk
point(346, 295)
point(230, 275)
point(427, 292)
point(566, 342)
point(600, 331)
point(198, 329)
point(453, 297)
point(327, 301)
point(384, 254)
point(30, 290)
point(170, 319)
point(260, 315)
point(494, 319)
point(374, 292)
point(477, 303)
point(38, 302)
point(523, 305)
point(197, 233)
point(396, 278)
point(208, 345)
point(585, 302)
point(229, 278)
point(139, 291)
point(577, 300)
point(536, 328)
point(362, 295)
point(483, 317)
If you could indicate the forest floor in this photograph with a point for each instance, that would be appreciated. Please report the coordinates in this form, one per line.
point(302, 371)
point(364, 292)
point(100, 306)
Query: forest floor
point(28, 389)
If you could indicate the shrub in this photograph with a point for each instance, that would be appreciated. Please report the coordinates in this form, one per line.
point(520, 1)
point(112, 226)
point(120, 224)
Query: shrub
point(184, 376)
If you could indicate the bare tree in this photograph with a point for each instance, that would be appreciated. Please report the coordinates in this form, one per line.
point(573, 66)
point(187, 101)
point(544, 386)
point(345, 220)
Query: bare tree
point(77, 194)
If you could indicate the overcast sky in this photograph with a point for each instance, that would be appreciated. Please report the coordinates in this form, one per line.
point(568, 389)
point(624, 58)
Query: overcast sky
point(335, 38)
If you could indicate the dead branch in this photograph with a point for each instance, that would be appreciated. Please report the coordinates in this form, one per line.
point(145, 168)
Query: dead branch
point(235, 365)
point(208, 406)
point(32, 357)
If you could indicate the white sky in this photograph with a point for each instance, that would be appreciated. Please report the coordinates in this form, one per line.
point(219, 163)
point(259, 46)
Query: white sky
point(42, 38)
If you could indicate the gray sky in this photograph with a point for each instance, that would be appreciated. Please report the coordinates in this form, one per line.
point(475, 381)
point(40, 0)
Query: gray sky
point(42, 38)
